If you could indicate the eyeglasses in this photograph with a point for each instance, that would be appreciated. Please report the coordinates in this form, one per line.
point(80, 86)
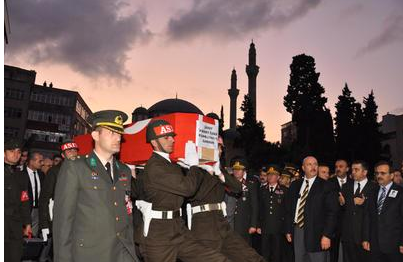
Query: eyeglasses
point(381, 173)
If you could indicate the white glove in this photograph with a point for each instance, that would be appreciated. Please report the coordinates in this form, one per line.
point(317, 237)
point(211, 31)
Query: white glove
point(45, 233)
point(217, 169)
point(208, 168)
point(191, 156)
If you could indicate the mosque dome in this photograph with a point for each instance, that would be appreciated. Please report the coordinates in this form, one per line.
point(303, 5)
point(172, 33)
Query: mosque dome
point(174, 105)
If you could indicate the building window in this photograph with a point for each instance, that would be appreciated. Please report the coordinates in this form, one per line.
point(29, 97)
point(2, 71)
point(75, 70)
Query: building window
point(11, 132)
point(14, 93)
point(12, 112)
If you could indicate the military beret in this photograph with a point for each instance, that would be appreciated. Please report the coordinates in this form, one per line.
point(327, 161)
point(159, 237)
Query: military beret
point(110, 119)
point(11, 144)
point(68, 144)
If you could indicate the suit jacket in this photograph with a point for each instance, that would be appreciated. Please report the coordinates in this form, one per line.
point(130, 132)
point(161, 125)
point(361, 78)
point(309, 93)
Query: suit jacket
point(47, 193)
point(166, 186)
point(353, 215)
point(247, 208)
point(41, 176)
point(16, 203)
point(385, 231)
point(212, 225)
point(320, 212)
point(92, 218)
point(272, 209)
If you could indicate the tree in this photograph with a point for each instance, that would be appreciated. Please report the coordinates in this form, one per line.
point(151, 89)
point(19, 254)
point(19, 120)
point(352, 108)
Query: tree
point(344, 121)
point(370, 127)
point(306, 103)
point(252, 134)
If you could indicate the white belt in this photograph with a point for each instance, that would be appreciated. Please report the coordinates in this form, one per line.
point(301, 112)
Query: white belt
point(204, 208)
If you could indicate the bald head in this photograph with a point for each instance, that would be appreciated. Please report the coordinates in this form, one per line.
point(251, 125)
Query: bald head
point(310, 166)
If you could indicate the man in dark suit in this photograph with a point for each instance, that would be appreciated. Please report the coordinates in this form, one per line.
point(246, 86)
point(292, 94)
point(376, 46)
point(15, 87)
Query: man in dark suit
point(35, 180)
point(165, 236)
point(341, 168)
point(92, 208)
point(383, 226)
point(246, 211)
point(17, 217)
point(272, 215)
point(352, 199)
point(311, 214)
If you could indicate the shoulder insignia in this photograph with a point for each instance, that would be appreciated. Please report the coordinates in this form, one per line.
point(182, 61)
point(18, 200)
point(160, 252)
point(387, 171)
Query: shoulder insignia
point(86, 156)
point(78, 157)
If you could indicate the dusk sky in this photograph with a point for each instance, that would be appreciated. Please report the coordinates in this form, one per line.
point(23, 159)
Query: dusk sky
point(123, 54)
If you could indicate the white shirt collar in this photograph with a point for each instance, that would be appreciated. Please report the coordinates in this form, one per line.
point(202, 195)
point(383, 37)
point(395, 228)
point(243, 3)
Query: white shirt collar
point(362, 182)
point(164, 155)
point(30, 171)
point(273, 186)
point(310, 180)
point(103, 161)
point(388, 186)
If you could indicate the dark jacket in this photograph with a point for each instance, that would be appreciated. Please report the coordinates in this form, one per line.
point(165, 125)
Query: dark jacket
point(212, 225)
point(384, 231)
point(272, 209)
point(30, 193)
point(247, 208)
point(353, 215)
point(47, 193)
point(92, 221)
point(320, 213)
point(16, 203)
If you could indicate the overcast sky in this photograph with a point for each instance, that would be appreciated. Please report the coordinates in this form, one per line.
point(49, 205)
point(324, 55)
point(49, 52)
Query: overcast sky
point(126, 53)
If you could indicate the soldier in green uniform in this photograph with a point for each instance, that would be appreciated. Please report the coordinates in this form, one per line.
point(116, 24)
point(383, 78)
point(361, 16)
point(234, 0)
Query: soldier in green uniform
point(207, 212)
point(69, 151)
point(271, 216)
point(246, 210)
point(165, 235)
point(17, 214)
point(92, 209)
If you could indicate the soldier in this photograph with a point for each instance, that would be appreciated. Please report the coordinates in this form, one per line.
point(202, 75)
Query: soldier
point(207, 207)
point(92, 211)
point(17, 217)
point(271, 216)
point(165, 236)
point(285, 178)
point(246, 211)
point(69, 151)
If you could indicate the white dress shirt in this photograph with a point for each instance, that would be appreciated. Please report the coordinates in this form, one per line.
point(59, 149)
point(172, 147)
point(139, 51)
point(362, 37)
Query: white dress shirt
point(341, 181)
point(310, 182)
point(362, 184)
point(38, 182)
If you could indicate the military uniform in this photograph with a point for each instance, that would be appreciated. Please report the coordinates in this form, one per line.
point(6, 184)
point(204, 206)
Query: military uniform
point(246, 209)
point(92, 209)
point(16, 211)
point(271, 221)
point(211, 228)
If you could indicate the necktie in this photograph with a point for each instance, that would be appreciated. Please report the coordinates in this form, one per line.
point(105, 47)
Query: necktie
point(108, 170)
point(381, 200)
point(358, 190)
point(36, 190)
point(341, 182)
point(301, 208)
point(271, 189)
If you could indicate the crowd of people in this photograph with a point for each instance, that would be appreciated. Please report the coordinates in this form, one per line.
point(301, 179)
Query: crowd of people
point(95, 208)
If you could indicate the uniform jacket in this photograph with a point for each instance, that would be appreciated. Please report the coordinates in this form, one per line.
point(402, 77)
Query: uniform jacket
point(166, 186)
point(47, 193)
point(321, 209)
point(247, 208)
point(272, 209)
point(92, 221)
point(385, 231)
point(212, 225)
point(353, 215)
point(16, 203)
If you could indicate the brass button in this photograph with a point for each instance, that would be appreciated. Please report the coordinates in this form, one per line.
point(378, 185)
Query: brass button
point(271, 207)
point(271, 213)
point(116, 204)
point(117, 234)
point(114, 188)
point(117, 218)
point(95, 187)
point(124, 184)
point(81, 245)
